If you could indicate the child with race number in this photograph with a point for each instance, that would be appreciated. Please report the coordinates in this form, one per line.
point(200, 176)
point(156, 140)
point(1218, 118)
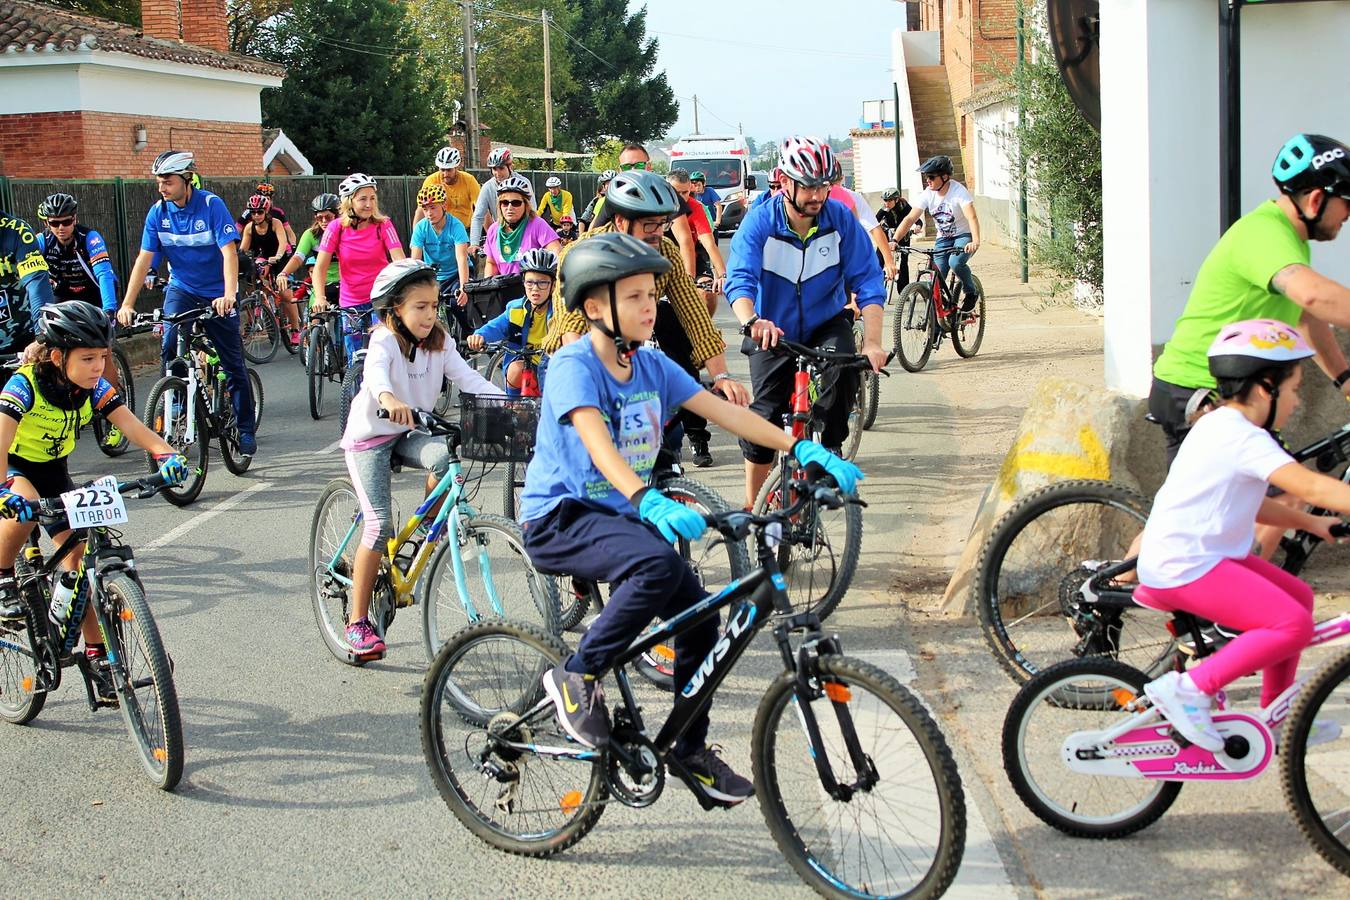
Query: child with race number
point(410, 354)
point(525, 320)
point(587, 507)
point(42, 407)
point(1196, 554)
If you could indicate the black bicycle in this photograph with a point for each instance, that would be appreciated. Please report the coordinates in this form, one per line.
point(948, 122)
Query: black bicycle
point(325, 358)
point(855, 780)
point(35, 649)
point(360, 320)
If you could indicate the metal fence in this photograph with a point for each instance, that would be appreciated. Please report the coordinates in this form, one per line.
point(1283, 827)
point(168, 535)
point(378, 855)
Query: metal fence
point(116, 207)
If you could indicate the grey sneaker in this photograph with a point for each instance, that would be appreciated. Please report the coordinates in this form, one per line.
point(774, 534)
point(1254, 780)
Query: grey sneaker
point(580, 704)
point(716, 778)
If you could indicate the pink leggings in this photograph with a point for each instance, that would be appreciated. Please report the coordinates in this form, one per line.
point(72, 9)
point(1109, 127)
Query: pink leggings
point(1271, 607)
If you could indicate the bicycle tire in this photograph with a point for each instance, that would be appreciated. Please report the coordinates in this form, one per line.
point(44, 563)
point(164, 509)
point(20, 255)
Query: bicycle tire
point(284, 326)
point(968, 327)
point(524, 594)
point(914, 317)
point(572, 606)
point(449, 723)
point(513, 482)
point(1070, 815)
point(333, 514)
point(779, 747)
point(856, 417)
point(351, 386)
point(143, 687)
point(495, 371)
point(1298, 786)
point(258, 329)
point(806, 593)
point(255, 387)
point(1045, 568)
point(873, 382)
point(100, 425)
point(19, 702)
point(174, 388)
point(316, 369)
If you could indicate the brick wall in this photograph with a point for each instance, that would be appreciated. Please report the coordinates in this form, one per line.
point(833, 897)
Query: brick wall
point(100, 145)
point(159, 18)
point(205, 24)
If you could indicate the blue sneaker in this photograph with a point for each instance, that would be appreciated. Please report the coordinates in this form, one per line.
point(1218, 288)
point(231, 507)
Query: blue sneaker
point(248, 444)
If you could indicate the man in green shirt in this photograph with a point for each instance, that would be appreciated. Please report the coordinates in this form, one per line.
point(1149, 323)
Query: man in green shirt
point(1260, 269)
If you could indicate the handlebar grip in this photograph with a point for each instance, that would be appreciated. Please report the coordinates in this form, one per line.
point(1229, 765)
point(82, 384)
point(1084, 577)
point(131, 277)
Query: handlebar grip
point(1341, 531)
point(749, 346)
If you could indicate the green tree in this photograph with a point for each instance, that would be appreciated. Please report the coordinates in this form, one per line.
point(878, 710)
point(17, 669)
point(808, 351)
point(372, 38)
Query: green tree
point(618, 95)
point(252, 25)
point(127, 11)
point(354, 97)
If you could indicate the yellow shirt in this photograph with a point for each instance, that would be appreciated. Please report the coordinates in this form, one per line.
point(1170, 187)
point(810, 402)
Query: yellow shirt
point(460, 197)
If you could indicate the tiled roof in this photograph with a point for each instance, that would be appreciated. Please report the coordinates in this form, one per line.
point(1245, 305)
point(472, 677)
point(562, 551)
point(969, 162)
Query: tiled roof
point(44, 29)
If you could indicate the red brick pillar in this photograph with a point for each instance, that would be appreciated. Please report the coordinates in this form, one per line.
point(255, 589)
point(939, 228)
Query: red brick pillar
point(159, 18)
point(205, 24)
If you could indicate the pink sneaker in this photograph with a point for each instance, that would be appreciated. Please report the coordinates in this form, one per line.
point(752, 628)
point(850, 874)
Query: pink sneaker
point(363, 638)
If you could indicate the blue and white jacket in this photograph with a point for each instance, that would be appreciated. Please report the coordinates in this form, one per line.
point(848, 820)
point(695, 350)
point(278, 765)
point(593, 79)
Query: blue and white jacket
point(800, 285)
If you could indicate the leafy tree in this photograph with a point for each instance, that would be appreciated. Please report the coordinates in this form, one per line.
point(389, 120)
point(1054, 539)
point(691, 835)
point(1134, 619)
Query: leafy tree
point(618, 95)
point(252, 25)
point(353, 97)
point(127, 11)
point(606, 154)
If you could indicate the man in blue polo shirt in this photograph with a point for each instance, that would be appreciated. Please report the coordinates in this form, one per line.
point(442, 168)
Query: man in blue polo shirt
point(195, 232)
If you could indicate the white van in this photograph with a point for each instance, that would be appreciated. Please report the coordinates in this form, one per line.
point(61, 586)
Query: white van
point(725, 162)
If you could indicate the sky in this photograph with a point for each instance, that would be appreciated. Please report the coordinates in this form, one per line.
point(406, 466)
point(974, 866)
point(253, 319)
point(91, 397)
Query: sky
point(750, 63)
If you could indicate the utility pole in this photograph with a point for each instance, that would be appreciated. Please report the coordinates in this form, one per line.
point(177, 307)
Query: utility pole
point(696, 131)
point(470, 88)
point(1022, 248)
point(548, 87)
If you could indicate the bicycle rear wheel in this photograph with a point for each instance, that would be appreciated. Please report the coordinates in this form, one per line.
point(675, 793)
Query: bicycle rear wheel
point(351, 386)
point(496, 369)
point(819, 563)
point(259, 329)
point(482, 681)
point(20, 701)
point(1044, 713)
point(902, 831)
point(1317, 778)
point(143, 677)
point(498, 578)
point(856, 417)
point(914, 326)
point(166, 415)
point(968, 327)
point(100, 426)
point(1031, 569)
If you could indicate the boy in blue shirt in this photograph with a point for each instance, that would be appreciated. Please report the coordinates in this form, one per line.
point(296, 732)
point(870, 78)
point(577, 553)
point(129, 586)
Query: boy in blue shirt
point(525, 320)
point(587, 508)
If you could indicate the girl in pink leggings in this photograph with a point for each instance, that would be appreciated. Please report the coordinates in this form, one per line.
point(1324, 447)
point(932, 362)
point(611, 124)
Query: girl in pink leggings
point(1196, 551)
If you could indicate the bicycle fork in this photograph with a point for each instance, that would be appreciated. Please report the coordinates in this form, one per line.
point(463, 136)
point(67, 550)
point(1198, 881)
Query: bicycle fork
point(804, 692)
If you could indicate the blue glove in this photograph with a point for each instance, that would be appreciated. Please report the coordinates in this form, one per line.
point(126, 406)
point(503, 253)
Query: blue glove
point(173, 468)
point(844, 473)
point(670, 518)
point(14, 506)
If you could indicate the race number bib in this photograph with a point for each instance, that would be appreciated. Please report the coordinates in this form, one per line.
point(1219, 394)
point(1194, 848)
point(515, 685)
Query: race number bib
point(96, 505)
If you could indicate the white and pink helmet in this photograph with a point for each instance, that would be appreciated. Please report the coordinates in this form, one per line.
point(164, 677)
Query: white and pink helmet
point(1243, 349)
point(808, 161)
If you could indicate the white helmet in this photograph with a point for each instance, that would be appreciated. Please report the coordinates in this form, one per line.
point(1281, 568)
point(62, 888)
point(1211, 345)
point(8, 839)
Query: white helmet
point(353, 183)
point(448, 158)
point(515, 184)
point(500, 156)
point(608, 175)
point(553, 181)
point(173, 162)
point(808, 161)
point(394, 276)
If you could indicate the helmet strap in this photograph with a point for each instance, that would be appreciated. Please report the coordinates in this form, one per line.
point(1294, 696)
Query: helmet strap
point(1310, 222)
point(1274, 391)
point(792, 199)
point(400, 328)
point(624, 348)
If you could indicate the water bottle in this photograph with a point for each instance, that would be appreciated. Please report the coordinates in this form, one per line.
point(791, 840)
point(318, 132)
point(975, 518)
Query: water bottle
point(63, 596)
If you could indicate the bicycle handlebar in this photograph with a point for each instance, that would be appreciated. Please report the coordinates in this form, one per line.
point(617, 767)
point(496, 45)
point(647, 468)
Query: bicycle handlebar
point(736, 524)
point(52, 510)
point(841, 358)
point(433, 424)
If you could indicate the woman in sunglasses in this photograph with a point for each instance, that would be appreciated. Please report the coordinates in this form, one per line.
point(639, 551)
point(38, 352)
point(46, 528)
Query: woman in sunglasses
point(517, 230)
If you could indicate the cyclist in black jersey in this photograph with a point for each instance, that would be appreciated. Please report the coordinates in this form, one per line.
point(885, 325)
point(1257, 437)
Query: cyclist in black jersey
point(263, 238)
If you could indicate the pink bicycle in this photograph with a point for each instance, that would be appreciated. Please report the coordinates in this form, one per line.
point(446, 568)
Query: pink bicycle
point(1089, 754)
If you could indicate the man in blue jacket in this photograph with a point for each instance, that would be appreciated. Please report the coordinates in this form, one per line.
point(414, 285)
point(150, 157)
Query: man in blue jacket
point(795, 262)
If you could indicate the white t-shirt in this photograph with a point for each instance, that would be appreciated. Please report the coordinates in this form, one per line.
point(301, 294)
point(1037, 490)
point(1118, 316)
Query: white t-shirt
point(1206, 510)
point(863, 211)
point(946, 209)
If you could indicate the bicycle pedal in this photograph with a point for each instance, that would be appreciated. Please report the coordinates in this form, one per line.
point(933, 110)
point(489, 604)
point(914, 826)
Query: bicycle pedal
point(363, 658)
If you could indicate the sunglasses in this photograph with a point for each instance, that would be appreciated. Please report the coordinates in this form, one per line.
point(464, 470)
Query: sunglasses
point(258, 212)
point(932, 177)
point(627, 167)
point(510, 204)
point(325, 217)
point(61, 223)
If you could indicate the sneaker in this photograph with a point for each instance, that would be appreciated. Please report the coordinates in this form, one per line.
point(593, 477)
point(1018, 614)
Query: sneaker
point(363, 638)
point(99, 674)
point(715, 777)
point(579, 702)
point(11, 605)
point(113, 438)
point(294, 337)
point(1188, 711)
point(702, 456)
point(969, 301)
point(248, 444)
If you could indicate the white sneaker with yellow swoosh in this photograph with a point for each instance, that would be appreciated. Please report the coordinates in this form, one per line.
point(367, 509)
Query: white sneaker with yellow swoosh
point(579, 702)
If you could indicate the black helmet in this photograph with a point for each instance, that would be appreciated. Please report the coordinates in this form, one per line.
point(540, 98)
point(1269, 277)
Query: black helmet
point(326, 203)
point(604, 259)
point(1308, 161)
point(640, 194)
point(937, 165)
point(74, 323)
point(57, 205)
point(539, 259)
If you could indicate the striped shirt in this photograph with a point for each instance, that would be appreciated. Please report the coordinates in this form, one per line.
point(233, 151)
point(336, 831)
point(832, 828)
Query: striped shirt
point(675, 285)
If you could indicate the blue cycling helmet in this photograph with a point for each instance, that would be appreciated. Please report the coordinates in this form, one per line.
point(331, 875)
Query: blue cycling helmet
point(1308, 161)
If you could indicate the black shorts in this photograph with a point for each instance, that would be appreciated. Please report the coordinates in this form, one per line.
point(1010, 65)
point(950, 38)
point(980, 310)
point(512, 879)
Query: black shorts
point(1167, 405)
point(50, 479)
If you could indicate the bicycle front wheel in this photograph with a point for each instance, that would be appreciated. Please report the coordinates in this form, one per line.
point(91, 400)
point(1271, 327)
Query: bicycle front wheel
point(473, 698)
point(513, 482)
point(20, 701)
point(914, 327)
point(856, 417)
point(166, 415)
point(258, 329)
point(499, 583)
point(316, 368)
point(820, 554)
point(901, 831)
point(1316, 767)
point(968, 327)
point(351, 386)
point(118, 360)
point(334, 535)
point(143, 677)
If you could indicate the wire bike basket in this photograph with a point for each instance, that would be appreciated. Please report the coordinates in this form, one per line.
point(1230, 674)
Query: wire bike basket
point(497, 429)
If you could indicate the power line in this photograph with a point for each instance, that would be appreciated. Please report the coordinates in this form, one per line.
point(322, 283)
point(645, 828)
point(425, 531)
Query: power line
point(741, 43)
